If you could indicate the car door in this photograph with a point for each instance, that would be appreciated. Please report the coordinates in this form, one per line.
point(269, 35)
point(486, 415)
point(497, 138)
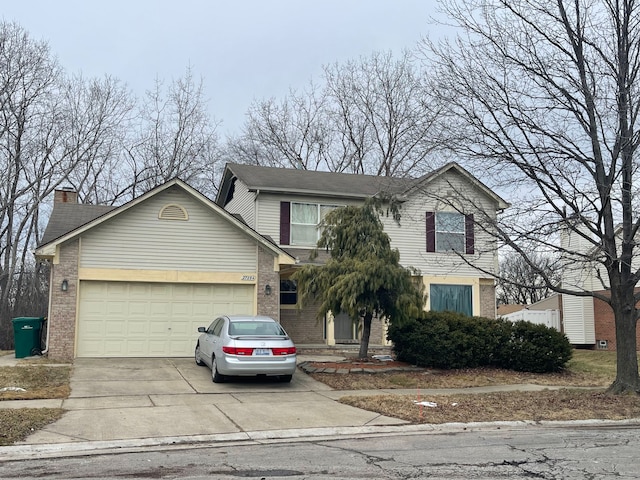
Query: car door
point(211, 339)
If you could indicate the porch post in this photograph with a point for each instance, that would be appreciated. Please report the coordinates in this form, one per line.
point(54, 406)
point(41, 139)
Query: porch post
point(331, 336)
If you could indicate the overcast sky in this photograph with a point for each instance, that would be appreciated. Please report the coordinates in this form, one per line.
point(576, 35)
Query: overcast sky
point(243, 49)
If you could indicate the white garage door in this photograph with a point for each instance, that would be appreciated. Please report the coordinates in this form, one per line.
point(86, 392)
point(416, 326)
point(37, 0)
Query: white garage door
point(121, 319)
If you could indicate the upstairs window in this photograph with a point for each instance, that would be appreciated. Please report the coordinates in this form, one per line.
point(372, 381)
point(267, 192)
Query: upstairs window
point(299, 222)
point(450, 232)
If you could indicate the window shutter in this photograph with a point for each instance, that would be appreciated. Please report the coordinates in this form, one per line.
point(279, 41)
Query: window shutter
point(285, 222)
point(431, 232)
point(469, 235)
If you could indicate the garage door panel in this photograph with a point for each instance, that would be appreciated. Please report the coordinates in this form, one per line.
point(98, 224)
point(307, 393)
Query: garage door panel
point(159, 308)
point(148, 319)
point(158, 348)
point(113, 348)
point(179, 309)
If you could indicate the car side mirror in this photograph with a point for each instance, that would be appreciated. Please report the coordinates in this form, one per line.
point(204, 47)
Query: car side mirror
point(202, 329)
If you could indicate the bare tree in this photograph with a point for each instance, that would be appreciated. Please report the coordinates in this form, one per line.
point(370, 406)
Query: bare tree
point(291, 133)
point(543, 98)
point(520, 282)
point(369, 116)
point(54, 130)
point(177, 137)
point(98, 116)
point(382, 115)
point(28, 77)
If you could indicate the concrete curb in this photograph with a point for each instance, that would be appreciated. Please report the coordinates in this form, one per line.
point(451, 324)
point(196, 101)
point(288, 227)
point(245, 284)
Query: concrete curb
point(56, 450)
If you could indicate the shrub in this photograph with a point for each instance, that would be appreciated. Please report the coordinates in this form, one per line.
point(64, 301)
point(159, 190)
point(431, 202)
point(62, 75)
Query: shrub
point(451, 340)
point(535, 348)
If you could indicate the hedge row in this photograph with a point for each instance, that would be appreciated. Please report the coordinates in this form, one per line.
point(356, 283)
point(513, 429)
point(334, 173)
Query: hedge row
point(450, 340)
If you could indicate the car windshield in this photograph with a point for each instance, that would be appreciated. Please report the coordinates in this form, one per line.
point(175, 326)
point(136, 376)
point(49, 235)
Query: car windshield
point(255, 328)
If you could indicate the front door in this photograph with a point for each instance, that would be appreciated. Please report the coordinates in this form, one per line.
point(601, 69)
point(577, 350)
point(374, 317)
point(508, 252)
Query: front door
point(345, 329)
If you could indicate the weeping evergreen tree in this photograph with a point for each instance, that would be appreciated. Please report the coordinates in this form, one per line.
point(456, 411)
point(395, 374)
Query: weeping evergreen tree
point(363, 277)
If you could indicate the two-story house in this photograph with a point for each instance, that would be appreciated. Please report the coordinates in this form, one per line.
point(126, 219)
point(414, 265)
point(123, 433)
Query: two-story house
point(138, 279)
point(437, 234)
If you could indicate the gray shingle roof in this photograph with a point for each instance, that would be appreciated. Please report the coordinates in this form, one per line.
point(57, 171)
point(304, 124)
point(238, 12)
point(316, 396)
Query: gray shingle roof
point(66, 217)
point(318, 182)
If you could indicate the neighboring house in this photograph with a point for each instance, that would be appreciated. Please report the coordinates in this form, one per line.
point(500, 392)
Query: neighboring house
point(139, 279)
point(588, 322)
point(437, 235)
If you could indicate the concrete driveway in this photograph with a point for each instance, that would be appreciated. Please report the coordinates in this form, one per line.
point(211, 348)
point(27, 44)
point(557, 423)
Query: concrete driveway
point(119, 399)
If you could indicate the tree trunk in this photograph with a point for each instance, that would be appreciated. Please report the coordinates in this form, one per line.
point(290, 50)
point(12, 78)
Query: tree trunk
point(366, 333)
point(627, 380)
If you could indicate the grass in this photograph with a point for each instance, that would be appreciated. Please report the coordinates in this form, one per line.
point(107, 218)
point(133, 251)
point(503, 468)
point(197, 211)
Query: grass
point(587, 368)
point(40, 381)
point(18, 424)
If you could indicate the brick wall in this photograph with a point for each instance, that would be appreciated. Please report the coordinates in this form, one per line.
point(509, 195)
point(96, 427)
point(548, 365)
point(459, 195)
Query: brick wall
point(268, 304)
point(605, 328)
point(488, 301)
point(302, 324)
point(62, 317)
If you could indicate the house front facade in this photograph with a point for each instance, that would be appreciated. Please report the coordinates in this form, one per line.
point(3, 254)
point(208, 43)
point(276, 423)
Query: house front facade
point(139, 279)
point(437, 235)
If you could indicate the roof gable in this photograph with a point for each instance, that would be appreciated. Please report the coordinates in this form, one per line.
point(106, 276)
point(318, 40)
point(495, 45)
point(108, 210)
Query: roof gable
point(431, 177)
point(87, 217)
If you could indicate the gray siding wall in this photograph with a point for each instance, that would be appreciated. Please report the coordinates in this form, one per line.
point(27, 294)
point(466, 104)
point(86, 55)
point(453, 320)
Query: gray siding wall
point(243, 203)
point(138, 239)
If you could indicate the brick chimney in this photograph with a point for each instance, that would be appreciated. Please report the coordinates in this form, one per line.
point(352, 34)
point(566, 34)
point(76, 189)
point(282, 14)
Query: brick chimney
point(65, 195)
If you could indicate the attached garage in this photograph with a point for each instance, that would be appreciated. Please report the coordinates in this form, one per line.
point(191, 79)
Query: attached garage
point(139, 279)
point(136, 319)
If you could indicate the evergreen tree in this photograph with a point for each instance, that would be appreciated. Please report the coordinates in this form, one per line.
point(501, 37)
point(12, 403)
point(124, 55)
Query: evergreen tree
point(363, 277)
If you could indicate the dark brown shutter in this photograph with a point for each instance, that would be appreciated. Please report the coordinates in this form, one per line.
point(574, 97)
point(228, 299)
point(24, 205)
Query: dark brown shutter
point(285, 223)
point(469, 236)
point(431, 232)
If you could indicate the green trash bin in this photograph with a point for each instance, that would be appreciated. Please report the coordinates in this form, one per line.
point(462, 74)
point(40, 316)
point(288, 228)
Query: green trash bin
point(26, 335)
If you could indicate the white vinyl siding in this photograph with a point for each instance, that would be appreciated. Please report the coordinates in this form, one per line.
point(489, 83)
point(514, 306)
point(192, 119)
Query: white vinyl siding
point(138, 239)
point(410, 237)
point(578, 319)
point(578, 316)
point(268, 216)
point(242, 203)
point(131, 319)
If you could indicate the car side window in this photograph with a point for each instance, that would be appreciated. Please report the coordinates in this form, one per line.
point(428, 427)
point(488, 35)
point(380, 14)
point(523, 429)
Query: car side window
point(217, 328)
point(213, 325)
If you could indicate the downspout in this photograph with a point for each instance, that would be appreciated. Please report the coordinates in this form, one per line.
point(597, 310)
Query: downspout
point(46, 342)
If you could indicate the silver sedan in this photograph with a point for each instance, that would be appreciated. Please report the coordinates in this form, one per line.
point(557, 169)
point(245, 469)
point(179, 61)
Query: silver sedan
point(246, 345)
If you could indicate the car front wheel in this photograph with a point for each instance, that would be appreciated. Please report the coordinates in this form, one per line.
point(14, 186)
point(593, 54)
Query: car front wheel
point(198, 357)
point(215, 375)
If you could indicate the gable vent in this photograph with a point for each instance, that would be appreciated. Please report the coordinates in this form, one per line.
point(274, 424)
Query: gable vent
point(173, 212)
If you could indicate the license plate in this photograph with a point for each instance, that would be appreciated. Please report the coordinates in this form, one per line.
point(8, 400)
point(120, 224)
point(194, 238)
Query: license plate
point(262, 351)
